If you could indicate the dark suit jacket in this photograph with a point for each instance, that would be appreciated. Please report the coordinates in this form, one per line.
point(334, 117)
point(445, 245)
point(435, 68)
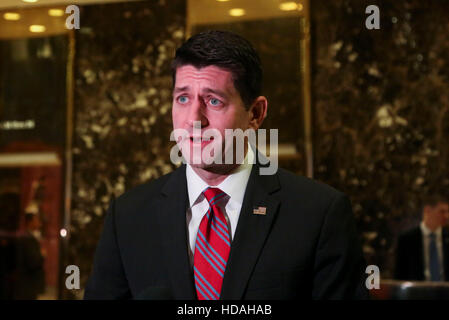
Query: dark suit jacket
point(410, 257)
point(306, 246)
point(30, 275)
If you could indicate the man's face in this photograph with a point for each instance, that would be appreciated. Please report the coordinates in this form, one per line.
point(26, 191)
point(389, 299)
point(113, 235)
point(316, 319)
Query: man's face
point(206, 95)
point(439, 214)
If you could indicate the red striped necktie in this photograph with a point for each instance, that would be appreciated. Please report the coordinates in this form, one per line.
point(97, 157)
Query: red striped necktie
point(212, 248)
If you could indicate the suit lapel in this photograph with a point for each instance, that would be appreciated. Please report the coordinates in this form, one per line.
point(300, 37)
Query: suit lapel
point(251, 233)
point(446, 253)
point(173, 221)
point(420, 255)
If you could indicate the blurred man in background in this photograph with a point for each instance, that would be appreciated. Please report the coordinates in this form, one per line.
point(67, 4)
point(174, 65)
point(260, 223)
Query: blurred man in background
point(9, 225)
point(30, 276)
point(422, 253)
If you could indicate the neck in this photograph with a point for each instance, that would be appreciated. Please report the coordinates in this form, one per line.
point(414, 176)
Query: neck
point(214, 176)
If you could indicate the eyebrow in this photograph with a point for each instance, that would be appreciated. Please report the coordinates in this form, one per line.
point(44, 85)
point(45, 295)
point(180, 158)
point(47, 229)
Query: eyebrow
point(206, 90)
point(179, 89)
point(215, 91)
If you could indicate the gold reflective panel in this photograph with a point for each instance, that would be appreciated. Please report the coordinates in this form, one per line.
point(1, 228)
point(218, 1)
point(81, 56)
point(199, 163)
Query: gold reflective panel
point(279, 30)
point(32, 22)
point(36, 52)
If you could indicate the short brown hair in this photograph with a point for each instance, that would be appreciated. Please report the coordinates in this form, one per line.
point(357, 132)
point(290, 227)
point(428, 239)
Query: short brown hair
point(226, 50)
point(433, 200)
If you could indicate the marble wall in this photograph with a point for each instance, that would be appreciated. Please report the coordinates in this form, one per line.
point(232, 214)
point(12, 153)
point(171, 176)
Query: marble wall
point(122, 110)
point(381, 112)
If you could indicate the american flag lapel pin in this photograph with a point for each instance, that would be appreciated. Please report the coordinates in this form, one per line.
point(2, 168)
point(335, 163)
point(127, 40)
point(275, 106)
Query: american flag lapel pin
point(260, 210)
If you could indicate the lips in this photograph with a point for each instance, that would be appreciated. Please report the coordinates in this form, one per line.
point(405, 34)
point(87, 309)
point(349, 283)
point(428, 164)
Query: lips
point(201, 139)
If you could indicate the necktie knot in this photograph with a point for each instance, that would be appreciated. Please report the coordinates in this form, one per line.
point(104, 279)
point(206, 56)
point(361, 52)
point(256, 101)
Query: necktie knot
point(213, 195)
point(432, 236)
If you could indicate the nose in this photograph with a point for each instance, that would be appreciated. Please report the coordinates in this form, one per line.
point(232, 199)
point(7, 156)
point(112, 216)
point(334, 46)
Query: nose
point(196, 113)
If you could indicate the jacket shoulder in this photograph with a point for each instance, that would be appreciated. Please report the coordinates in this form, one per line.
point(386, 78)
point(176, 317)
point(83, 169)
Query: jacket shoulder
point(306, 186)
point(310, 200)
point(143, 193)
point(410, 234)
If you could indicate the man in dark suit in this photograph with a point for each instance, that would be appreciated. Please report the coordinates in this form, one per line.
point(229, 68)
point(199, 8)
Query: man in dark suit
point(214, 230)
point(422, 253)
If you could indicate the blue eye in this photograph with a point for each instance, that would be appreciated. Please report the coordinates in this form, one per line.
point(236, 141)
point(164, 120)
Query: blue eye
point(214, 102)
point(183, 99)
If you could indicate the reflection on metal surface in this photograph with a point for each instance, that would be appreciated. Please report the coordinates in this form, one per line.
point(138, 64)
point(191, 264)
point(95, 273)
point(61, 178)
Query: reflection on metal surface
point(29, 159)
point(70, 87)
point(411, 290)
point(290, 6)
point(306, 90)
point(17, 125)
point(212, 12)
point(237, 12)
point(37, 28)
point(11, 16)
point(284, 151)
point(34, 22)
point(22, 4)
point(63, 232)
point(56, 12)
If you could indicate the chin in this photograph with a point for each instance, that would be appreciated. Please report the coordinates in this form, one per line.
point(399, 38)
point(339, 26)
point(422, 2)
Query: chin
point(200, 165)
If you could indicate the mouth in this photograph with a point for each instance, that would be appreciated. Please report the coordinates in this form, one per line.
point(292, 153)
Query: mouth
point(201, 139)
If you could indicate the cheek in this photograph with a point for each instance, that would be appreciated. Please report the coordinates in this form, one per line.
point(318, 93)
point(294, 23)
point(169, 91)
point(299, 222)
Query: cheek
point(175, 116)
point(226, 123)
point(240, 119)
point(243, 120)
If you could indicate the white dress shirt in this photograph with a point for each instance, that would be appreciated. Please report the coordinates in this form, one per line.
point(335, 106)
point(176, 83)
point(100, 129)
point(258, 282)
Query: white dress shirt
point(426, 241)
point(234, 186)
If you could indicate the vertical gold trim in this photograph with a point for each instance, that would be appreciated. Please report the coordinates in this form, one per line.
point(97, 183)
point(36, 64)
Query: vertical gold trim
point(69, 130)
point(64, 242)
point(306, 87)
point(188, 32)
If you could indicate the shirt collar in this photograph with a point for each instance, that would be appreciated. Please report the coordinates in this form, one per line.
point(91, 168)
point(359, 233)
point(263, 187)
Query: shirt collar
point(426, 231)
point(234, 185)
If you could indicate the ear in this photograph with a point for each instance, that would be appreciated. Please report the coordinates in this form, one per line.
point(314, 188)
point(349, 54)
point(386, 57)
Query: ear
point(258, 112)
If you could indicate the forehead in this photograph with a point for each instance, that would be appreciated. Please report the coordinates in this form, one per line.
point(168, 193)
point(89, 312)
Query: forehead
point(210, 76)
